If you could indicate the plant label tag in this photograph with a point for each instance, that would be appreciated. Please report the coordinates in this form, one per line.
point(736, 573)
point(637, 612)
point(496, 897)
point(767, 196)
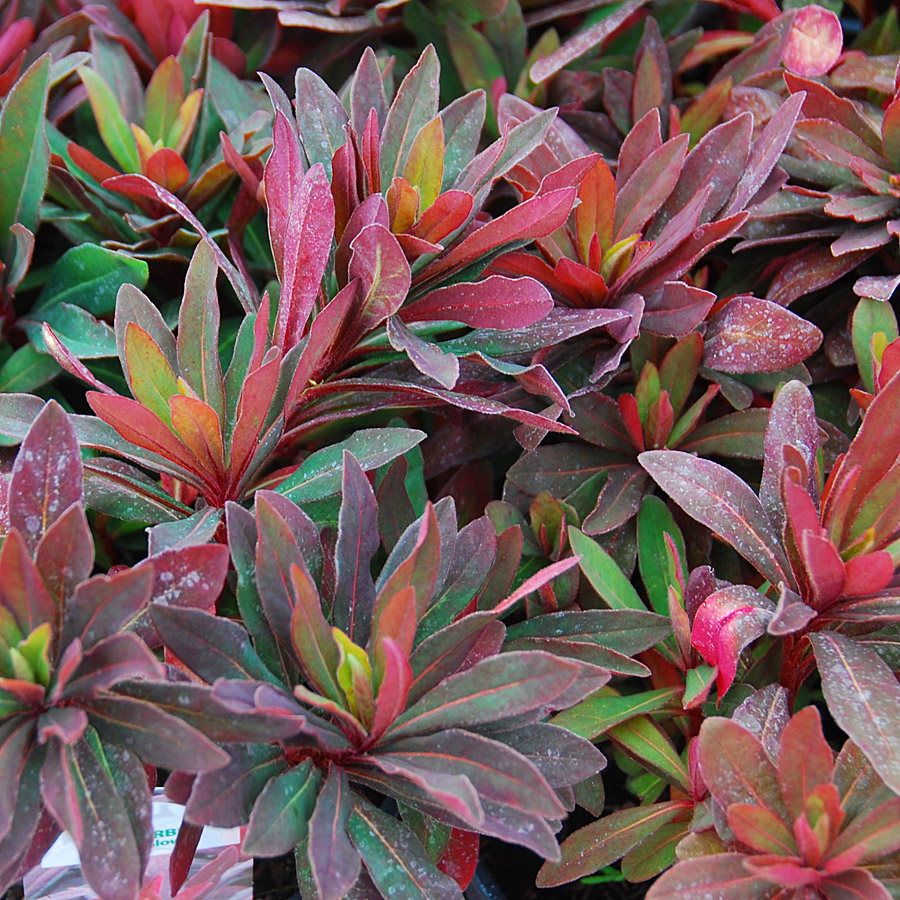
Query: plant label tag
point(219, 871)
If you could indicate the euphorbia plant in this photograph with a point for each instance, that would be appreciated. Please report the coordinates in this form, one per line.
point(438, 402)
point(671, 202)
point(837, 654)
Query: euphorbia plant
point(791, 820)
point(380, 683)
point(828, 557)
point(73, 746)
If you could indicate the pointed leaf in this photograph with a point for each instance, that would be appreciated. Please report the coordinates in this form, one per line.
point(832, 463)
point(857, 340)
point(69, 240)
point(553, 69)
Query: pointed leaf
point(320, 474)
point(722, 876)
point(46, 477)
point(280, 818)
point(861, 693)
point(198, 330)
point(333, 859)
point(494, 689)
point(718, 499)
point(154, 736)
point(24, 154)
point(394, 858)
point(357, 541)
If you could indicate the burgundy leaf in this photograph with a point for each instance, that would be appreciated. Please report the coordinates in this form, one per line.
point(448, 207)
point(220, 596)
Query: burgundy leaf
point(495, 302)
point(211, 646)
point(497, 772)
point(65, 723)
point(722, 876)
point(65, 554)
point(427, 357)
point(764, 155)
point(81, 795)
point(792, 422)
point(718, 499)
point(753, 335)
point(225, 796)
point(676, 309)
point(22, 591)
point(46, 476)
point(186, 577)
point(333, 859)
point(142, 186)
point(805, 759)
point(497, 688)
point(736, 768)
point(105, 604)
point(308, 224)
point(16, 734)
point(152, 735)
point(862, 694)
point(116, 658)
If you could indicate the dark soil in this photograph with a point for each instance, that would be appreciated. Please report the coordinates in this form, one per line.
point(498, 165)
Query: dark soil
point(275, 879)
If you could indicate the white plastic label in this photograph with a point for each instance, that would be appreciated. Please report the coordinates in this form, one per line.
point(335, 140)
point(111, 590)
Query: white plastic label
point(167, 818)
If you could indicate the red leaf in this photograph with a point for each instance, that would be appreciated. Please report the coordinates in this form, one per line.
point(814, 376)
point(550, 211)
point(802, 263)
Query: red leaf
point(141, 427)
point(46, 476)
point(308, 223)
point(460, 856)
point(727, 622)
point(167, 169)
point(815, 42)
point(534, 218)
point(333, 859)
point(495, 302)
point(805, 760)
point(750, 334)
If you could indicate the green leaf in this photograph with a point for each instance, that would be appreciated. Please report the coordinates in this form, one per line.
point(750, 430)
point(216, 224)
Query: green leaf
point(320, 474)
point(24, 154)
point(198, 330)
point(604, 575)
point(494, 689)
point(654, 521)
point(90, 276)
point(605, 709)
point(83, 335)
point(111, 123)
point(280, 818)
point(396, 861)
point(26, 370)
point(415, 104)
point(869, 318)
point(606, 840)
point(646, 742)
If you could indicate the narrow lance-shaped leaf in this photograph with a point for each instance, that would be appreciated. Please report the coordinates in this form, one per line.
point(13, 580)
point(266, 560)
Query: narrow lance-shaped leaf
point(24, 154)
point(357, 541)
point(718, 499)
point(46, 476)
point(606, 840)
point(198, 330)
point(280, 818)
point(863, 696)
point(415, 104)
point(79, 791)
point(496, 688)
point(333, 859)
point(382, 842)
